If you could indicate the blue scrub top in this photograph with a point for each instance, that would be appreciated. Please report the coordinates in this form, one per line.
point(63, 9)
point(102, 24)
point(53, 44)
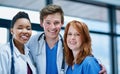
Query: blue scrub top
point(51, 56)
point(89, 66)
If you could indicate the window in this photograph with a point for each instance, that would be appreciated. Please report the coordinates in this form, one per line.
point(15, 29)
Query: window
point(118, 38)
point(8, 13)
point(3, 36)
point(101, 49)
point(118, 21)
point(118, 46)
point(91, 13)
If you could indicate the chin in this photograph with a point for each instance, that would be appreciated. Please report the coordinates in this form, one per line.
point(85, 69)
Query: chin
point(24, 41)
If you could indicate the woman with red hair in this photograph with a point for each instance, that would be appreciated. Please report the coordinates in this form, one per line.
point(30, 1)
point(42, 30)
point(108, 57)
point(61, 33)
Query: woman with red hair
point(78, 51)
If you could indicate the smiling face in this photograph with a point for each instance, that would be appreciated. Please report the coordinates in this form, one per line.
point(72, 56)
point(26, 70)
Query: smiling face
point(74, 40)
point(77, 42)
point(21, 30)
point(52, 25)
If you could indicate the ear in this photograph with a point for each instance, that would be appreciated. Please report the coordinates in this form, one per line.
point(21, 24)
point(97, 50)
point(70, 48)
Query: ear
point(62, 23)
point(11, 31)
point(41, 23)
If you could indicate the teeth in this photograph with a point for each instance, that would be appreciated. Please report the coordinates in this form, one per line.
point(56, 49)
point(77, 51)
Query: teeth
point(72, 42)
point(52, 31)
point(24, 37)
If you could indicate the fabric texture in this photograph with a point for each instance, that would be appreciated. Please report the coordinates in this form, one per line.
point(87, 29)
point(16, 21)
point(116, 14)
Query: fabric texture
point(37, 46)
point(89, 66)
point(19, 60)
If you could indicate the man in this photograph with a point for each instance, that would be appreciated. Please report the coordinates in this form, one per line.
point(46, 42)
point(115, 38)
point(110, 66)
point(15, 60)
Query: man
point(47, 47)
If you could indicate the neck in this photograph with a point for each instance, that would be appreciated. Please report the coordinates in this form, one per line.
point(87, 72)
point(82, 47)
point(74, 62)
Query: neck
point(51, 42)
point(75, 53)
point(19, 46)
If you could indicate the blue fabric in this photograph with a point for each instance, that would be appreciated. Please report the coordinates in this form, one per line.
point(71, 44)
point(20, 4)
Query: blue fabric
point(88, 66)
point(51, 54)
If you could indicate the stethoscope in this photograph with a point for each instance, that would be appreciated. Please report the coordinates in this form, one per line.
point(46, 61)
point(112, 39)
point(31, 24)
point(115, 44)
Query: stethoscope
point(12, 70)
point(63, 61)
point(12, 58)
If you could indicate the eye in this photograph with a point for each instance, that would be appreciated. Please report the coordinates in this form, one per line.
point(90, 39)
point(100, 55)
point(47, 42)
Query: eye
point(56, 23)
point(69, 34)
point(28, 28)
point(47, 23)
point(77, 34)
point(19, 28)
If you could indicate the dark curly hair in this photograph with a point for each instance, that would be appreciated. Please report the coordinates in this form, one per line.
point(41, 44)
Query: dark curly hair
point(18, 16)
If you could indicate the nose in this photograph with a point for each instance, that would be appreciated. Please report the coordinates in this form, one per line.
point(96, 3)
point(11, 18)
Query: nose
point(25, 30)
point(52, 26)
point(72, 36)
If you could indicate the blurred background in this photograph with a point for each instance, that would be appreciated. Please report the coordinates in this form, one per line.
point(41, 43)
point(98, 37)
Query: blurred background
point(101, 16)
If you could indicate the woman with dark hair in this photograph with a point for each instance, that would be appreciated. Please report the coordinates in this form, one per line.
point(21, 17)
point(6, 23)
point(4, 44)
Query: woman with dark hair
point(78, 51)
point(14, 56)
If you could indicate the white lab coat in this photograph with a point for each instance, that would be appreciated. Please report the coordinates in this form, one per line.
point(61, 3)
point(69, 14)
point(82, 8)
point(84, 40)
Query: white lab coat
point(37, 47)
point(20, 60)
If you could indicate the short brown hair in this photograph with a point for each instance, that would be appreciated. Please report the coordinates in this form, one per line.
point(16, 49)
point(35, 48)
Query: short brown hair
point(51, 9)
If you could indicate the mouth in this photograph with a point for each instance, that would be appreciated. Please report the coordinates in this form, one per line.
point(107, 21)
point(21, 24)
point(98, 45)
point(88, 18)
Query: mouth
point(72, 42)
point(24, 37)
point(53, 31)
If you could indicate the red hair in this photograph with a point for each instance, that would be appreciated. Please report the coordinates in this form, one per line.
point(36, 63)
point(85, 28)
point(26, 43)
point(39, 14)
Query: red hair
point(86, 42)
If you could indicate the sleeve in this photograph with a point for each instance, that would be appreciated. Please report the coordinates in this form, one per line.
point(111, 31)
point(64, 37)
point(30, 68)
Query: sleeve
point(33, 40)
point(91, 67)
point(29, 42)
point(4, 60)
point(32, 45)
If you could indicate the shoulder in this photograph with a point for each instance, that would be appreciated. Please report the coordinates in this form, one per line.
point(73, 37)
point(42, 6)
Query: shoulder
point(5, 50)
point(5, 47)
point(90, 60)
point(36, 36)
point(33, 39)
point(91, 65)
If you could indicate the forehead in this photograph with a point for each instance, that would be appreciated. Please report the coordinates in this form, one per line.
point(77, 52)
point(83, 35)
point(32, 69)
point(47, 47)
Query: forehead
point(72, 29)
point(55, 16)
point(22, 21)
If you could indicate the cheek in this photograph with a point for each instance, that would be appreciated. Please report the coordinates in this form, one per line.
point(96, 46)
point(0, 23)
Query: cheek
point(45, 27)
point(58, 27)
point(16, 32)
point(30, 32)
point(79, 41)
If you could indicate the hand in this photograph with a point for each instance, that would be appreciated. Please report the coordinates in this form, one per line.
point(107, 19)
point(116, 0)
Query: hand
point(103, 70)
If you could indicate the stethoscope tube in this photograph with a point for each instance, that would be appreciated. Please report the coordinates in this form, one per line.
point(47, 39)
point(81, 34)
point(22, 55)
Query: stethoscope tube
point(12, 58)
point(63, 61)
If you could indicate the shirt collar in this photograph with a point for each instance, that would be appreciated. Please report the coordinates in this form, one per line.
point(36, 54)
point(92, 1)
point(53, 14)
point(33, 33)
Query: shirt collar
point(17, 52)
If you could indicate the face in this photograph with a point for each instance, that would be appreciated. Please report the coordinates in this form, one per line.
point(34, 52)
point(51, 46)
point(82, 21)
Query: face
point(52, 25)
point(21, 31)
point(74, 39)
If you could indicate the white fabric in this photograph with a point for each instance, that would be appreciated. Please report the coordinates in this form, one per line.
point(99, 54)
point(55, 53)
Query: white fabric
point(38, 50)
point(20, 60)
